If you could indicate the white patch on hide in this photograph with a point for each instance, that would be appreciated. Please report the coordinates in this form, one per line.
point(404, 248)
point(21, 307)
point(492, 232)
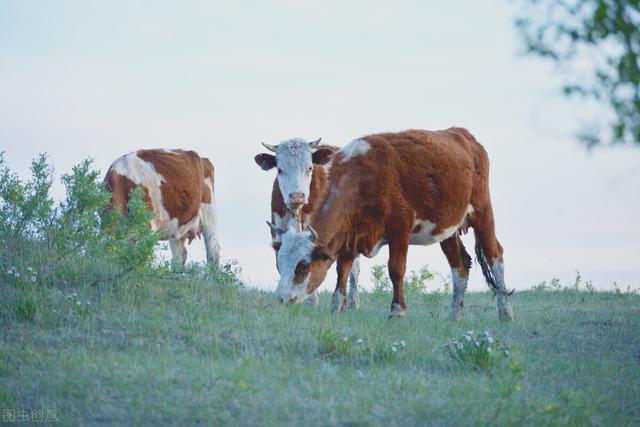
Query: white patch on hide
point(355, 148)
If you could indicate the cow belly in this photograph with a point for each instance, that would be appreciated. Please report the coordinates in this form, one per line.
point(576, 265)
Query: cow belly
point(424, 235)
point(172, 230)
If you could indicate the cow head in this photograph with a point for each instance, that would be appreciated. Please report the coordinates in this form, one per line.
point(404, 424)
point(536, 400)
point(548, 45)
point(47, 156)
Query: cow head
point(302, 263)
point(294, 160)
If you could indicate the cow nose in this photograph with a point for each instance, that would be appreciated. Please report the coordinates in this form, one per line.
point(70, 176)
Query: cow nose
point(296, 198)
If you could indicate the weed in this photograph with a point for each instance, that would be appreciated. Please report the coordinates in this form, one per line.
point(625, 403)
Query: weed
point(332, 345)
point(478, 351)
point(26, 308)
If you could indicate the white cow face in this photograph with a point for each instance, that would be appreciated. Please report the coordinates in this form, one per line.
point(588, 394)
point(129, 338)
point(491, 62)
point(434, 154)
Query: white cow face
point(294, 160)
point(302, 265)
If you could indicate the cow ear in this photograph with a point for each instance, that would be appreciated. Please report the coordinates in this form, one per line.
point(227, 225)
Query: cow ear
point(266, 161)
point(321, 253)
point(322, 156)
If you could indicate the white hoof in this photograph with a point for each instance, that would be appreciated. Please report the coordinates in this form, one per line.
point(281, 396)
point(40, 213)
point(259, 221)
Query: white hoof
point(354, 299)
point(338, 302)
point(505, 311)
point(312, 300)
point(456, 313)
point(397, 312)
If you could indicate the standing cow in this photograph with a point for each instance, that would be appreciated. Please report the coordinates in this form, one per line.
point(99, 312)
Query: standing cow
point(301, 182)
point(178, 187)
point(410, 188)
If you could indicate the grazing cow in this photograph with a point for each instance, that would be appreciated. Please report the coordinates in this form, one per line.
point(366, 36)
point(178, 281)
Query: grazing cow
point(178, 187)
point(301, 182)
point(410, 188)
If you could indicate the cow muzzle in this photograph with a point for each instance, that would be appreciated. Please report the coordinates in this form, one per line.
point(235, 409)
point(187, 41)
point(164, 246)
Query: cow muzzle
point(296, 200)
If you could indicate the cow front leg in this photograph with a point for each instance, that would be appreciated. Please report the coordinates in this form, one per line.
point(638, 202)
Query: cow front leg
point(339, 298)
point(178, 251)
point(397, 266)
point(460, 263)
point(354, 296)
point(312, 300)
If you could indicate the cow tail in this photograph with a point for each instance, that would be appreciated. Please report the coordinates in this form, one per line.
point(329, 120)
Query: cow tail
point(486, 271)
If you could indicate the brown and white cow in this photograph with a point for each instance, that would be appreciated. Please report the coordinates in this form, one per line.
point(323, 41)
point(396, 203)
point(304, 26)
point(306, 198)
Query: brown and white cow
point(178, 187)
point(301, 182)
point(410, 188)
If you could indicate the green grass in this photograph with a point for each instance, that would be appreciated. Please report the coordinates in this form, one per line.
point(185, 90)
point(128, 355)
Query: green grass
point(181, 351)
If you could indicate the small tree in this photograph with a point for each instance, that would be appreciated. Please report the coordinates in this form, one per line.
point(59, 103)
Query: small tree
point(601, 37)
point(26, 209)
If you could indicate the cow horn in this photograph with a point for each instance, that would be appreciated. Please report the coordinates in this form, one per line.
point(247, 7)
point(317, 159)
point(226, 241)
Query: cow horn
point(276, 230)
point(314, 233)
point(269, 147)
point(314, 144)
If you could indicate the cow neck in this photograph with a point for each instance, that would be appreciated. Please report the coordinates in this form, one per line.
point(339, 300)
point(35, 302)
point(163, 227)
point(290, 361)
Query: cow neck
point(316, 191)
point(333, 225)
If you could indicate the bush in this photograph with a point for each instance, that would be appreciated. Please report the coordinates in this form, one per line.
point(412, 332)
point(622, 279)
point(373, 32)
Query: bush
point(416, 283)
point(69, 244)
point(480, 352)
point(26, 209)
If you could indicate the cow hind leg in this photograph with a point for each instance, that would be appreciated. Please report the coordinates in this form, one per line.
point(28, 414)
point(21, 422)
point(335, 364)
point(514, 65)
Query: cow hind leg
point(209, 223)
point(178, 251)
point(489, 255)
point(460, 263)
point(354, 296)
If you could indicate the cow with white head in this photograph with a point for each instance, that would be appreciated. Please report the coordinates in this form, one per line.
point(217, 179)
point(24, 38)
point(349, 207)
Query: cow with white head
point(415, 187)
point(301, 182)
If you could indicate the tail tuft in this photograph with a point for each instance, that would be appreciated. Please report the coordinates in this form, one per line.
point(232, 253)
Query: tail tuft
point(486, 271)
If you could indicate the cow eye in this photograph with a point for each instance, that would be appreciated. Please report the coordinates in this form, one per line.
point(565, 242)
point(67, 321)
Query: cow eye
point(302, 269)
point(279, 171)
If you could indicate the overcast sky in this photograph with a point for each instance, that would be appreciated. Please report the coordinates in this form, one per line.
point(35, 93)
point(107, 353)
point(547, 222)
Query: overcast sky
point(102, 78)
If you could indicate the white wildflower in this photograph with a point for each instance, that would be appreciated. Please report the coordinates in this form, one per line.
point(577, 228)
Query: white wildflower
point(78, 302)
point(345, 339)
point(360, 341)
point(487, 334)
point(506, 353)
point(88, 302)
point(489, 350)
point(469, 332)
point(393, 349)
point(467, 337)
point(460, 345)
point(16, 274)
point(29, 269)
point(33, 279)
point(489, 340)
point(477, 344)
point(403, 344)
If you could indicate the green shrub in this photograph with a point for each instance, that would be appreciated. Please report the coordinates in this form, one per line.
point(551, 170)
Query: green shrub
point(130, 241)
point(26, 209)
point(66, 245)
point(480, 352)
point(332, 344)
point(416, 283)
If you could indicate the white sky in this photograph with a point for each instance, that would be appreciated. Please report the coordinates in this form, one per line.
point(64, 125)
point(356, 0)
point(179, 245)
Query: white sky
point(98, 79)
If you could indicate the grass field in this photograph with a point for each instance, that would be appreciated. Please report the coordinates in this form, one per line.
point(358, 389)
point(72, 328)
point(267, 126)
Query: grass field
point(177, 350)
